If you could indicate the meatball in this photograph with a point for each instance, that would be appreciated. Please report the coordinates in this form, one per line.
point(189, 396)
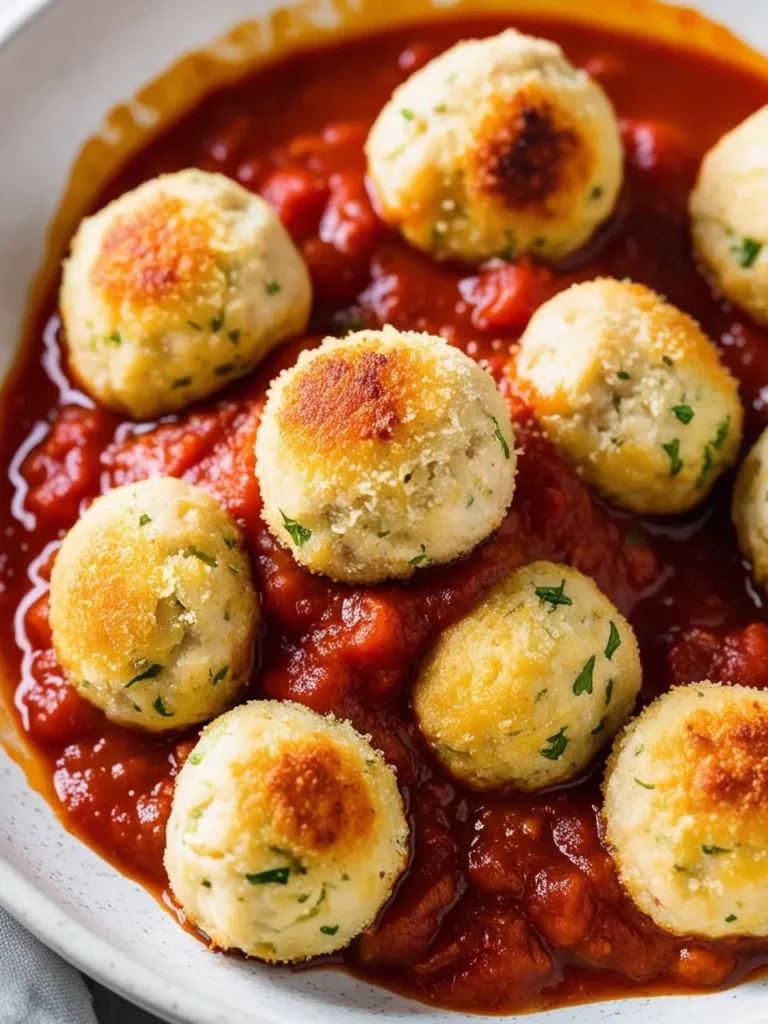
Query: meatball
point(287, 832)
point(632, 393)
point(686, 810)
point(750, 509)
point(153, 610)
point(384, 452)
point(177, 288)
point(531, 684)
point(497, 147)
point(729, 222)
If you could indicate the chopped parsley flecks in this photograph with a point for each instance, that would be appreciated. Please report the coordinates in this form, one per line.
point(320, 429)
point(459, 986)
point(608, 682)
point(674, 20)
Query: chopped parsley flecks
point(722, 432)
point(623, 375)
point(194, 326)
point(234, 570)
point(540, 694)
point(746, 252)
point(144, 519)
point(501, 439)
point(599, 727)
point(583, 682)
point(279, 876)
point(223, 369)
point(557, 745)
point(234, 336)
point(299, 534)
point(553, 595)
point(672, 448)
point(713, 851)
point(205, 883)
point(668, 360)
point(195, 758)
point(608, 692)
point(407, 114)
point(181, 382)
point(614, 642)
point(221, 674)
point(597, 191)
point(116, 338)
point(303, 897)
point(149, 673)
point(161, 709)
point(440, 108)
point(645, 785)
point(217, 322)
point(419, 558)
point(193, 552)
point(684, 413)
point(329, 929)
point(230, 542)
point(470, 501)
point(731, 918)
point(714, 445)
point(272, 287)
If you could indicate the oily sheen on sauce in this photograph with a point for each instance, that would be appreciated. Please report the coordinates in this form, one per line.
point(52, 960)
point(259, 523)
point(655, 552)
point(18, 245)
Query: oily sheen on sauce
point(509, 902)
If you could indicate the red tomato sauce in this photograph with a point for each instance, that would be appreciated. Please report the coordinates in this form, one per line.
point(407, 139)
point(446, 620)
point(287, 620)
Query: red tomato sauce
point(509, 902)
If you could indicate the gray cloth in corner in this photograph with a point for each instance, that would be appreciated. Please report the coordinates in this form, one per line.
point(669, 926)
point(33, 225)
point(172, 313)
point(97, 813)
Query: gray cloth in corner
point(36, 985)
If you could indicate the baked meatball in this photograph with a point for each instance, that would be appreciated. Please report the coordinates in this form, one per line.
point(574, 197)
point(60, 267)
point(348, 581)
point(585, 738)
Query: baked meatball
point(177, 288)
point(729, 215)
point(632, 393)
point(497, 147)
point(530, 685)
point(686, 810)
point(750, 508)
point(384, 452)
point(153, 610)
point(287, 832)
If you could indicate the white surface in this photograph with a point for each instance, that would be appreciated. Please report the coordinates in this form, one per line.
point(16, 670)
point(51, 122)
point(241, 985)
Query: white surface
point(58, 75)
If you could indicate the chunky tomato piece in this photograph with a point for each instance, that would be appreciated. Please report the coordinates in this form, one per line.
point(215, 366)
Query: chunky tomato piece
point(504, 296)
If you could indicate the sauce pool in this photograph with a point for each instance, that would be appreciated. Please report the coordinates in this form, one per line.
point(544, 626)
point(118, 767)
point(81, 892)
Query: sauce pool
point(509, 902)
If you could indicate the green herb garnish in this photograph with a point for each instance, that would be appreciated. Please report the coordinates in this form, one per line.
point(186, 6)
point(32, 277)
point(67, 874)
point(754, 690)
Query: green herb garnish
point(683, 412)
point(597, 191)
point(608, 692)
point(553, 595)
point(407, 114)
point(217, 322)
point(645, 785)
point(583, 682)
point(329, 929)
point(272, 287)
point(194, 326)
point(276, 875)
point(193, 552)
point(614, 641)
point(144, 519)
point(219, 675)
point(149, 673)
point(116, 338)
point(557, 745)
point(712, 851)
point(673, 451)
point(731, 918)
point(223, 369)
point(206, 883)
point(299, 534)
point(746, 252)
point(181, 382)
point(623, 375)
point(161, 709)
point(501, 439)
point(234, 336)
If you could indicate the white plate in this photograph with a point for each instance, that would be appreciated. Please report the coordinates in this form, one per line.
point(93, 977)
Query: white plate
point(60, 70)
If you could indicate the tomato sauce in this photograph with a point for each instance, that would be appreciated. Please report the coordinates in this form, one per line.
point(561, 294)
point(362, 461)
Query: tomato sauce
point(509, 902)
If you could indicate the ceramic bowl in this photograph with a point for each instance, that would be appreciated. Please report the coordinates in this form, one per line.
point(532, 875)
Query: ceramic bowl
point(63, 65)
